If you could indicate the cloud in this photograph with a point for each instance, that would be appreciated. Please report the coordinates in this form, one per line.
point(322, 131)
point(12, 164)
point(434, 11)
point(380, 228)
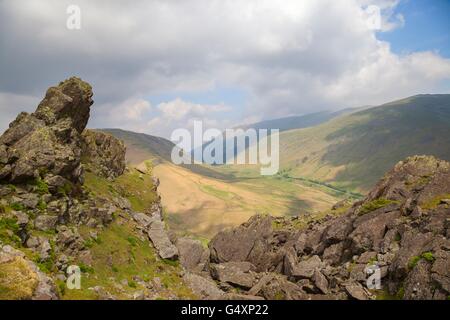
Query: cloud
point(177, 114)
point(289, 57)
point(13, 104)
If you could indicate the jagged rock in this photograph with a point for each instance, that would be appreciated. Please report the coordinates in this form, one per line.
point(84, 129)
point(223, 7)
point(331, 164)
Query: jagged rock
point(22, 218)
point(413, 244)
point(104, 154)
point(370, 230)
point(356, 291)
point(55, 182)
point(234, 273)
point(306, 268)
point(337, 231)
point(160, 239)
point(261, 283)
point(122, 203)
point(441, 269)
point(248, 242)
point(320, 281)
point(333, 253)
point(29, 200)
point(48, 141)
point(418, 284)
point(21, 278)
point(204, 288)
point(142, 219)
point(45, 222)
point(192, 255)
point(44, 249)
point(279, 288)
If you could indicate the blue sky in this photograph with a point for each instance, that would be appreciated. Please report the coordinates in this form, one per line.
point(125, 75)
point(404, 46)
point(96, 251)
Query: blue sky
point(427, 27)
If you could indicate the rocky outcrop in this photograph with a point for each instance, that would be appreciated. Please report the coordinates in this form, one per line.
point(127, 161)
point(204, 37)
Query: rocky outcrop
point(103, 154)
point(153, 225)
point(21, 279)
point(48, 142)
point(399, 231)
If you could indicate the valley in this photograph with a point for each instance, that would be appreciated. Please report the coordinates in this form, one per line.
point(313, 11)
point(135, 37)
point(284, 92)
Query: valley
point(203, 205)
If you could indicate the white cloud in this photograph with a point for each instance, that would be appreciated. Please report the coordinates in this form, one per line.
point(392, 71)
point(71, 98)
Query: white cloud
point(290, 57)
point(178, 113)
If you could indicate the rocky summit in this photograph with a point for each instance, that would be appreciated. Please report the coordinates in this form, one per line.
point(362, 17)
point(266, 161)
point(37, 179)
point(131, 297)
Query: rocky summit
point(48, 142)
point(67, 199)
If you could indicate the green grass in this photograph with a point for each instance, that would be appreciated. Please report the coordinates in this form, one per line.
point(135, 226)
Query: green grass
point(125, 257)
point(17, 206)
point(434, 202)
point(8, 231)
point(134, 186)
point(427, 256)
point(221, 194)
point(375, 204)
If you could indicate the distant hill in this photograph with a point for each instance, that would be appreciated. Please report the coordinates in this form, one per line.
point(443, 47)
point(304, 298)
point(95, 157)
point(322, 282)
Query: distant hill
point(354, 150)
point(142, 146)
point(289, 123)
point(299, 122)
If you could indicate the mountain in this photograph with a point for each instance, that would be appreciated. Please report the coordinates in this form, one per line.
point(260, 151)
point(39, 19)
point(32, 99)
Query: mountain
point(284, 124)
point(67, 199)
point(141, 147)
point(299, 122)
point(354, 150)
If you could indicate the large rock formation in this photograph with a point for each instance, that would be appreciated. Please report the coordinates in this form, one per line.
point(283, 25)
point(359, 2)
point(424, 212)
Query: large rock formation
point(103, 154)
point(48, 142)
point(400, 230)
point(41, 194)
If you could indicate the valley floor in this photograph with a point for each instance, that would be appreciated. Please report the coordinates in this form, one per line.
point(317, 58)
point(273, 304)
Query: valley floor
point(202, 205)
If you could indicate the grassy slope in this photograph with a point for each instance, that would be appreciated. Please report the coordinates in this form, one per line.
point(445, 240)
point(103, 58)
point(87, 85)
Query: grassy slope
point(353, 151)
point(119, 256)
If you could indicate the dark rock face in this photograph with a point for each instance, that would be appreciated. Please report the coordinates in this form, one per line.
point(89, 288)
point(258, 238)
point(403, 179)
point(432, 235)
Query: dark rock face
point(401, 229)
point(49, 140)
point(104, 154)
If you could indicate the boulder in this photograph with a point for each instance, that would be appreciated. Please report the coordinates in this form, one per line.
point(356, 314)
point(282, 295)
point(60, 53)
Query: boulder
point(356, 291)
point(235, 273)
point(306, 268)
point(248, 242)
point(21, 279)
point(202, 287)
point(320, 281)
point(45, 222)
point(49, 141)
point(103, 153)
point(160, 239)
point(279, 288)
point(192, 255)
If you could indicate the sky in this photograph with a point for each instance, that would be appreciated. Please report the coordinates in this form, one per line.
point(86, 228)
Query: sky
point(158, 65)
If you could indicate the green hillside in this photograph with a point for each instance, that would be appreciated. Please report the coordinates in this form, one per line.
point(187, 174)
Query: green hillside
point(141, 147)
point(353, 151)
